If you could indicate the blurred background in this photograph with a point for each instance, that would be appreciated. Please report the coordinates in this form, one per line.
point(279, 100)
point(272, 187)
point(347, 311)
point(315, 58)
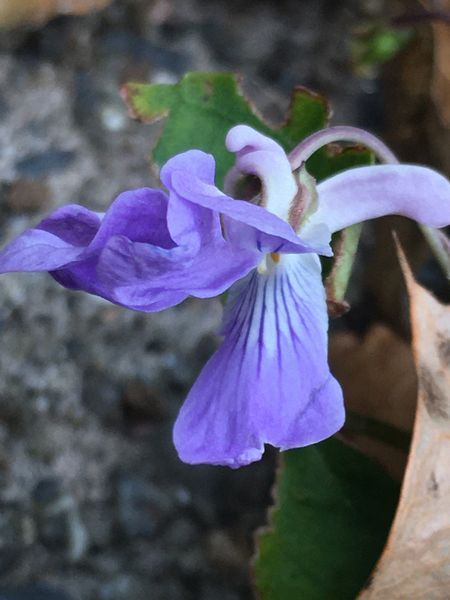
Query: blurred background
point(94, 504)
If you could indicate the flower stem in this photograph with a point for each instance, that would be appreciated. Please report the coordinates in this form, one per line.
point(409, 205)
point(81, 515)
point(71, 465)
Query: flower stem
point(340, 133)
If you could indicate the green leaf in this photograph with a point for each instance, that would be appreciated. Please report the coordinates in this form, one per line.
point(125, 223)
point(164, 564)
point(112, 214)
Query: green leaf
point(325, 163)
point(334, 508)
point(202, 107)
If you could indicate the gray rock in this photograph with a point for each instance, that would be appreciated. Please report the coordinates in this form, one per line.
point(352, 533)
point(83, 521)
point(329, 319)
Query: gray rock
point(13, 536)
point(52, 160)
point(39, 591)
point(125, 586)
point(101, 395)
point(58, 520)
point(143, 403)
point(142, 507)
point(98, 519)
point(182, 533)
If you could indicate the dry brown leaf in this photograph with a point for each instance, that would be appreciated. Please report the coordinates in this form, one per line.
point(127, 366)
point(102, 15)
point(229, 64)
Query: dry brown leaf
point(379, 381)
point(377, 375)
point(416, 561)
point(18, 12)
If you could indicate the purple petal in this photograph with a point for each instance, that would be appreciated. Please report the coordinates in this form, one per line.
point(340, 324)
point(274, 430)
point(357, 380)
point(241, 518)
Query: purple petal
point(271, 234)
point(143, 299)
point(88, 275)
point(73, 223)
point(140, 215)
point(57, 240)
point(37, 250)
point(242, 139)
point(189, 224)
point(195, 204)
point(196, 162)
point(136, 271)
point(135, 216)
point(269, 382)
point(365, 193)
point(261, 156)
point(81, 275)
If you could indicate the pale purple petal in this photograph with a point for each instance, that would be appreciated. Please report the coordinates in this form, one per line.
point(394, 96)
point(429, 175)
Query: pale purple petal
point(195, 205)
point(270, 233)
point(139, 297)
point(57, 240)
point(189, 223)
point(37, 250)
point(198, 163)
point(365, 193)
point(192, 225)
point(242, 139)
point(258, 155)
point(269, 382)
point(139, 263)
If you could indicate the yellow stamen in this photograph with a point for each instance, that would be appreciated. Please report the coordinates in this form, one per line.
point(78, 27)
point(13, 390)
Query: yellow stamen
point(275, 256)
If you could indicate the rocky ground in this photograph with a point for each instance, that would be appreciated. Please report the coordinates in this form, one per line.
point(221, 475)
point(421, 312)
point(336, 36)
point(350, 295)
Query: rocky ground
point(94, 503)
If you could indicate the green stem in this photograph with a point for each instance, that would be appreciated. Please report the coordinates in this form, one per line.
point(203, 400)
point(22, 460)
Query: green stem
point(440, 246)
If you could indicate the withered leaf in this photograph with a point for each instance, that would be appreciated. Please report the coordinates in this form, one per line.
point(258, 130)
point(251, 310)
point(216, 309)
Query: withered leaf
point(380, 390)
point(415, 562)
point(377, 374)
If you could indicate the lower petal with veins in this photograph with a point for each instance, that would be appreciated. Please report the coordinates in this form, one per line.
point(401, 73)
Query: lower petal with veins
point(269, 382)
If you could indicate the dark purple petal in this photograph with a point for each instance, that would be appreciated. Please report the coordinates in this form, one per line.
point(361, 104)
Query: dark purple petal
point(365, 193)
point(82, 275)
point(73, 223)
point(140, 215)
point(269, 382)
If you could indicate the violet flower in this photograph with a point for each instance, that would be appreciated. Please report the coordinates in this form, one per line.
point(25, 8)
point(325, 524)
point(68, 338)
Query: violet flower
point(269, 382)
